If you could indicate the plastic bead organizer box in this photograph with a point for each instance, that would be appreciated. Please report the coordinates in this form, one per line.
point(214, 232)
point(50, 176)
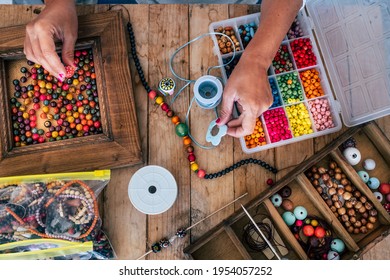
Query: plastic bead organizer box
point(304, 106)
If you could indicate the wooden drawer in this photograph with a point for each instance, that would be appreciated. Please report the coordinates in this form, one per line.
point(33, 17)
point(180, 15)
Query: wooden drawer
point(227, 240)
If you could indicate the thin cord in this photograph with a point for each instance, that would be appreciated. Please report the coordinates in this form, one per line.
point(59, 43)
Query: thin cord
point(193, 40)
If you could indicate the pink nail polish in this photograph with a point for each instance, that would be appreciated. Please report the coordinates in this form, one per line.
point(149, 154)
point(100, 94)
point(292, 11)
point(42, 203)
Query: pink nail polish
point(61, 77)
point(218, 120)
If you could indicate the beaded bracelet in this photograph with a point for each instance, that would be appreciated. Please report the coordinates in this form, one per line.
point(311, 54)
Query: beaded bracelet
point(180, 127)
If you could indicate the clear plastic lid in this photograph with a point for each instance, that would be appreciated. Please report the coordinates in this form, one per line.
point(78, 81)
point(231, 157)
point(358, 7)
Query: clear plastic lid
point(354, 36)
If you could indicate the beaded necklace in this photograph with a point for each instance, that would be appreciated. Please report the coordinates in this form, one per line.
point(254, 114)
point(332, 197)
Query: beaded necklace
point(181, 128)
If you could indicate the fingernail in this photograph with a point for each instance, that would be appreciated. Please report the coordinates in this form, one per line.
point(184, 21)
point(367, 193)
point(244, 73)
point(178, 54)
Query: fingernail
point(61, 77)
point(74, 65)
point(218, 120)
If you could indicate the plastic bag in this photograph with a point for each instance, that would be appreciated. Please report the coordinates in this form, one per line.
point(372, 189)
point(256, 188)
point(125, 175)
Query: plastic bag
point(53, 206)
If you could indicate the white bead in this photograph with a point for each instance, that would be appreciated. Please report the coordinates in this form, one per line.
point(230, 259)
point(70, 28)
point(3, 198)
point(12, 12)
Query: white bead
point(378, 196)
point(352, 155)
point(369, 164)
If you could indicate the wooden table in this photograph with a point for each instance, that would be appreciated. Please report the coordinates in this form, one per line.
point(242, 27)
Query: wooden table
point(159, 30)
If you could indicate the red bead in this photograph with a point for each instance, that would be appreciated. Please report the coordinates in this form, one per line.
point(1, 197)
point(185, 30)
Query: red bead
point(152, 94)
point(201, 173)
point(319, 232)
point(165, 107)
point(191, 157)
point(270, 182)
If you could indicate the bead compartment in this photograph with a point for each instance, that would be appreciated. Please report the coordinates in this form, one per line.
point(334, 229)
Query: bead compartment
point(300, 97)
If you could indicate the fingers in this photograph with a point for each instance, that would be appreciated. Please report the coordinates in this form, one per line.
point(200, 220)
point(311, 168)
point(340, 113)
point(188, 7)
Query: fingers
point(68, 50)
point(50, 59)
point(242, 126)
point(41, 50)
point(226, 110)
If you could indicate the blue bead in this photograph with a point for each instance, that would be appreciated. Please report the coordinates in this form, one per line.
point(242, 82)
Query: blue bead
point(276, 200)
point(252, 32)
point(337, 245)
point(364, 176)
point(300, 212)
point(288, 218)
point(373, 183)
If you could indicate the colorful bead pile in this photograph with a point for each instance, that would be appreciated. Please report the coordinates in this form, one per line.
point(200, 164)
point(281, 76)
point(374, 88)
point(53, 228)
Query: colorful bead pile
point(311, 83)
point(290, 88)
point(302, 52)
point(45, 109)
point(247, 31)
point(322, 116)
point(230, 67)
point(295, 30)
point(225, 46)
point(277, 125)
point(275, 93)
point(282, 61)
point(299, 118)
point(257, 138)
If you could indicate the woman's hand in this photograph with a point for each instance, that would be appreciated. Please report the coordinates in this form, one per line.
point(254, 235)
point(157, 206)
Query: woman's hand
point(248, 85)
point(57, 21)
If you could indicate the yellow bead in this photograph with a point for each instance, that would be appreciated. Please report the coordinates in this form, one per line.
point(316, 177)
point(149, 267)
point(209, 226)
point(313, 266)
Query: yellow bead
point(45, 109)
point(75, 82)
point(79, 127)
point(26, 115)
point(70, 119)
point(194, 166)
point(159, 100)
point(69, 96)
point(54, 134)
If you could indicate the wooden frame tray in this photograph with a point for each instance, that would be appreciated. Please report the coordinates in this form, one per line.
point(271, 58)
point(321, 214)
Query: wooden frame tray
point(118, 145)
point(372, 143)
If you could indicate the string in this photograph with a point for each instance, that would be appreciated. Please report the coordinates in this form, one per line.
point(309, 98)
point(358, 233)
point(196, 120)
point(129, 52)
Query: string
point(190, 42)
point(192, 226)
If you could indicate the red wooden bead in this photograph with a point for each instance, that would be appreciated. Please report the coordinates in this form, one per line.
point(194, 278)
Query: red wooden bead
point(191, 157)
point(165, 107)
point(270, 182)
point(201, 173)
point(152, 94)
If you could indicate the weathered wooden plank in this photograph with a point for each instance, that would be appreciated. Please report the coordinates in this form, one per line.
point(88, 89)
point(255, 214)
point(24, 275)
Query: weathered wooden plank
point(168, 29)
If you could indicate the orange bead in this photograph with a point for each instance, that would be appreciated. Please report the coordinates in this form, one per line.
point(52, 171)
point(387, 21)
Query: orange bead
point(175, 119)
point(187, 140)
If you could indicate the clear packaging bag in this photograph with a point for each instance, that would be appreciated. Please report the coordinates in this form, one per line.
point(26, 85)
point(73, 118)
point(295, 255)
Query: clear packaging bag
point(59, 206)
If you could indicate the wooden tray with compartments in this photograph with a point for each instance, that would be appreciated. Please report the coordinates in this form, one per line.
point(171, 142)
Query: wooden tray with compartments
point(225, 241)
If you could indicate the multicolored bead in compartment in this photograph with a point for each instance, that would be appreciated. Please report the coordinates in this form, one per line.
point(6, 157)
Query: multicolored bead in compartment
point(247, 31)
point(282, 61)
point(44, 109)
point(290, 87)
point(224, 44)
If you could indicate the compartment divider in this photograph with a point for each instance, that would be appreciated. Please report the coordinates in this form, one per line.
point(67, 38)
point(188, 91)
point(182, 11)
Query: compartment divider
point(284, 231)
point(379, 139)
point(330, 218)
point(383, 216)
point(237, 242)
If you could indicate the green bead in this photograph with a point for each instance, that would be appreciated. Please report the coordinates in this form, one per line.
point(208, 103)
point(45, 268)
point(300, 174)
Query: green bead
point(181, 129)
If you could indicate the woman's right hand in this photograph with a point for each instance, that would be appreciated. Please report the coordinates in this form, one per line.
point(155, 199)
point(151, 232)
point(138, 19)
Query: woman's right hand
point(57, 21)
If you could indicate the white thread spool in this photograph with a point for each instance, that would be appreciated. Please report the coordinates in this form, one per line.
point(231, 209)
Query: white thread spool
point(152, 190)
point(208, 91)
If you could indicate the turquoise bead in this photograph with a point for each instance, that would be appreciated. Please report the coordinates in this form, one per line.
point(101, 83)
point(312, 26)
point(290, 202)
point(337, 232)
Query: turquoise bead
point(364, 176)
point(276, 200)
point(288, 218)
point(373, 183)
point(181, 129)
point(337, 245)
point(300, 212)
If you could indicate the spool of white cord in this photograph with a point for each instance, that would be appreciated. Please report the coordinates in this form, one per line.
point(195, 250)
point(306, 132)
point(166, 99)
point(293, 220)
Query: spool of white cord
point(208, 91)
